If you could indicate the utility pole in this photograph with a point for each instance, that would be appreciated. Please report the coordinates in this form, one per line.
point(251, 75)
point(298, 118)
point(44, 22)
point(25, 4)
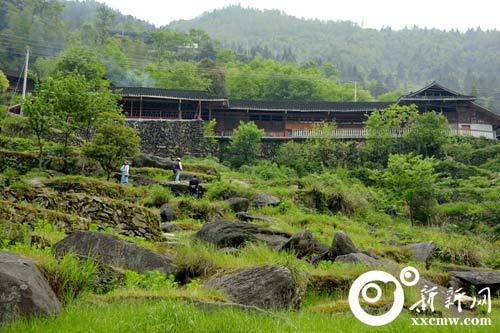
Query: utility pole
point(355, 91)
point(25, 80)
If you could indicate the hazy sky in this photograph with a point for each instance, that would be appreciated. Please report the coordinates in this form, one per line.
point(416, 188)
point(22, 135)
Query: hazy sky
point(443, 14)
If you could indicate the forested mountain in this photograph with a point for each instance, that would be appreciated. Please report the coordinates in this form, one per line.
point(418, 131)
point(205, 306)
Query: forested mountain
point(408, 58)
point(247, 53)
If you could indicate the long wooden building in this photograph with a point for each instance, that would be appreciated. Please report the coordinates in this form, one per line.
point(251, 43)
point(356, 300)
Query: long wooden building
point(296, 118)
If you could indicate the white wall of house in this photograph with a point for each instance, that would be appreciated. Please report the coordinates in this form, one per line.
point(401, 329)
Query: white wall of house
point(477, 130)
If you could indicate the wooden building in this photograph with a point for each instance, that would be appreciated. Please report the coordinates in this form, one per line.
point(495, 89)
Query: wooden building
point(296, 118)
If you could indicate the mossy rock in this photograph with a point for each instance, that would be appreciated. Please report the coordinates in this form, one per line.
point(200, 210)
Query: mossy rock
point(21, 161)
point(96, 187)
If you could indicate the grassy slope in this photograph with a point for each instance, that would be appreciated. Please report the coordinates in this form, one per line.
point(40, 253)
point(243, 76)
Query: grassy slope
point(164, 307)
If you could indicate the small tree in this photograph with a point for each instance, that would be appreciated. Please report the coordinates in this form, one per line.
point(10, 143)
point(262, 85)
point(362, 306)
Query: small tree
point(246, 146)
point(4, 83)
point(412, 179)
point(113, 142)
point(380, 126)
point(40, 116)
point(428, 134)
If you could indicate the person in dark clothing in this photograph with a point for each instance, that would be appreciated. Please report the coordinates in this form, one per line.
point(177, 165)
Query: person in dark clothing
point(194, 186)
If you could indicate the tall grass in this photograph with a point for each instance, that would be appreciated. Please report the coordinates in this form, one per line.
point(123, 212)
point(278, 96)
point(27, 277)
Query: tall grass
point(173, 316)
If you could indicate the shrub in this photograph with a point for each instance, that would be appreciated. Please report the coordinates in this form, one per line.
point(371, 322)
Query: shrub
point(482, 155)
point(69, 276)
point(412, 179)
point(269, 171)
point(245, 146)
point(298, 157)
point(152, 280)
point(428, 134)
point(459, 255)
point(224, 190)
point(157, 196)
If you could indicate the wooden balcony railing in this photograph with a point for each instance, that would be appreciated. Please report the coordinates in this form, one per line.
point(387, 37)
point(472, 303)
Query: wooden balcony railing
point(354, 133)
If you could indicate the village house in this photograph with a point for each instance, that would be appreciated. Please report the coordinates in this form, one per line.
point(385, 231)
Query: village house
point(296, 118)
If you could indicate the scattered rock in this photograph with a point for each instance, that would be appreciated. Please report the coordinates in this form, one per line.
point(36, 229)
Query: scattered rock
point(238, 204)
point(110, 250)
point(271, 286)
point(181, 188)
point(151, 161)
point(341, 245)
point(141, 180)
point(170, 227)
point(421, 251)
point(358, 258)
point(304, 245)
point(23, 290)
point(244, 216)
point(478, 278)
point(234, 234)
point(168, 212)
point(264, 199)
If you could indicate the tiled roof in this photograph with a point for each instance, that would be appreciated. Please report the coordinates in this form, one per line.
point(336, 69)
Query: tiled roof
point(306, 105)
point(169, 93)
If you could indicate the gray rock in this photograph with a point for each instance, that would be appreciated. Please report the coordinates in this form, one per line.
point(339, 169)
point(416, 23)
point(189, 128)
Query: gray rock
point(151, 161)
point(244, 216)
point(421, 251)
point(238, 204)
point(168, 212)
point(110, 250)
point(234, 234)
point(23, 290)
point(181, 188)
point(342, 244)
point(478, 278)
point(358, 258)
point(271, 286)
point(264, 199)
point(170, 227)
point(304, 245)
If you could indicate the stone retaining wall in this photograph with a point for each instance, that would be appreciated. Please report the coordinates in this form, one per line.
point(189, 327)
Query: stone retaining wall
point(171, 138)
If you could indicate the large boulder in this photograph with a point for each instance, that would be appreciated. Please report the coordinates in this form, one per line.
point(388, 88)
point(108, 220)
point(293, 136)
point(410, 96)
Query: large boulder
point(234, 234)
point(23, 289)
point(169, 212)
point(478, 278)
point(421, 251)
point(265, 199)
point(271, 286)
point(151, 161)
point(110, 250)
point(341, 245)
point(238, 204)
point(304, 245)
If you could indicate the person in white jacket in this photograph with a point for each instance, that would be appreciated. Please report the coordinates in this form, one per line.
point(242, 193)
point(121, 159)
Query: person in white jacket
point(177, 169)
point(125, 172)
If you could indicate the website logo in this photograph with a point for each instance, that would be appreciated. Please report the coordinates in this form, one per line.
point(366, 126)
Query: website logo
point(409, 276)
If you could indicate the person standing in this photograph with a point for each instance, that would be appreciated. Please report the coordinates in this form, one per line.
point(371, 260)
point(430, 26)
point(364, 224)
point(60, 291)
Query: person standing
point(194, 187)
point(125, 172)
point(177, 169)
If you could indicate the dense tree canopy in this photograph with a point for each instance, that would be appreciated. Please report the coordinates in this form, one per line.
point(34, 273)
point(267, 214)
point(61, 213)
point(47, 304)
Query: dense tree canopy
point(289, 59)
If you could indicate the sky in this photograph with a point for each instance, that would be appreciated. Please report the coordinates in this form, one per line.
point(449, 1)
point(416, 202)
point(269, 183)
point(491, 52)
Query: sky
point(441, 14)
